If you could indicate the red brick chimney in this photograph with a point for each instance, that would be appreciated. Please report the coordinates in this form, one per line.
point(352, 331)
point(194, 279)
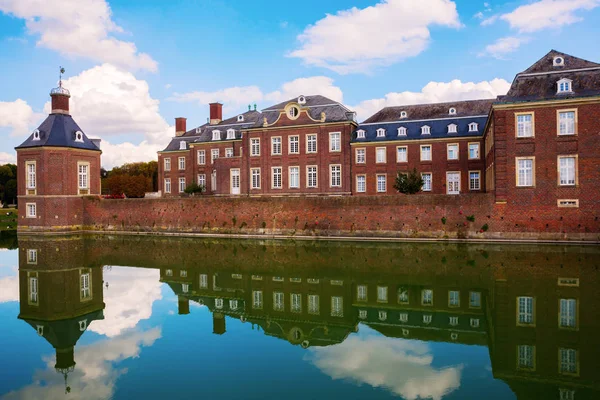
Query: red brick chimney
point(60, 100)
point(216, 113)
point(180, 126)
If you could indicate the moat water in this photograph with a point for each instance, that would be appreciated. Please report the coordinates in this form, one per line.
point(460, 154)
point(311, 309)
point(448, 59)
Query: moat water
point(155, 318)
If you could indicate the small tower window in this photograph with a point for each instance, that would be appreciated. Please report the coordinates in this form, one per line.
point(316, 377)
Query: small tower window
point(425, 130)
point(301, 100)
point(36, 134)
point(79, 136)
point(230, 134)
point(40, 330)
point(293, 112)
point(473, 127)
point(402, 131)
point(360, 134)
point(216, 135)
point(182, 145)
point(198, 130)
point(452, 128)
point(240, 118)
point(380, 132)
point(564, 86)
point(403, 114)
point(558, 62)
point(452, 111)
point(83, 325)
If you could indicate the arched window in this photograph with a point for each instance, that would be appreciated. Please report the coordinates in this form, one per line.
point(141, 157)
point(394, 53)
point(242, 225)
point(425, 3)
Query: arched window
point(402, 131)
point(216, 134)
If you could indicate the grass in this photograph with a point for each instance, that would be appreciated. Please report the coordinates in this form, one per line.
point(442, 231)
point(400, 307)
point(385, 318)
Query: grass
point(8, 219)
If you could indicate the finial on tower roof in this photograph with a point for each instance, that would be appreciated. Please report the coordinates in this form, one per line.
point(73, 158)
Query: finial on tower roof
point(60, 89)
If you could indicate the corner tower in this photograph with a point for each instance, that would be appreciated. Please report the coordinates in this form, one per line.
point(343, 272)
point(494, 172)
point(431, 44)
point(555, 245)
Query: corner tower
point(57, 165)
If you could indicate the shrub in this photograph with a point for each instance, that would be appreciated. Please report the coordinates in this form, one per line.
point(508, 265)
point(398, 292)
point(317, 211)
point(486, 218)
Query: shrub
point(410, 183)
point(444, 220)
point(194, 188)
point(485, 227)
point(471, 218)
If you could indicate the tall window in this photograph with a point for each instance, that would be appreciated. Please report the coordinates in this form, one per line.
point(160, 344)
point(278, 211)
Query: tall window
point(202, 180)
point(311, 176)
point(425, 130)
point(525, 310)
point(381, 184)
point(526, 356)
point(427, 297)
point(380, 157)
point(84, 286)
point(313, 304)
point(167, 162)
point(201, 157)
point(566, 123)
point(426, 181)
point(568, 313)
point(276, 145)
point(278, 301)
point(568, 361)
point(454, 298)
point(255, 178)
point(335, 141)
point(294, 143)
point(31, 175)
point(229, 152)
point(474, 180)
point(361, 183)
point(524, 125)
point(403, 296)
point(276, 178)
point(311, 143)
point(567, 170)
point(426, 152)
point(257, 299)
point(473, 151)
point(294, 177)
point(380, 132)
point(181, 163)
point(83, 176)
point(361, 156)
point(31, 210)
point(214, 154)
point(255, 147)
point(361, 293)
point(401, 154)
point(31, 256)
point(216, 135)
point(33, 290)
point(337, 306)
point(453, 151)
point(452, 128)
point(525, 171)
point(213, 181)
point(382, 294)
point(475, 299)
point(296, 302)
point(167, 185)
point(203, 281)
point(335, 172)
point(181, 185)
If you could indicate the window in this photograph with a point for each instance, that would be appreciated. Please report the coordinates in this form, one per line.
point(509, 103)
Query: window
point(36, 134)
point(33, 290)
point(32, 256)
point(568, 361)
point(294, 177)
point(452, 151)
point(525, 174)
point(311, 176)
point(452, 111)
point(403, 317)
point(474, 322)
point(181, 185)
point(335, 173)
point(335, 143)
point(568, 313)
point(183, 273)
point(453, 321)
point(83, 174)
point(337, 306)
point(473, 127)
point(473, 151)
point(425, 130)
point(255, 147)
point(257, 299)
point(402, 154)
point(525, 125)
point(427, 319)
point(567, 170)
point(558, 61)
point(454, 298)
point(185, 287)
point(167, 185)
point(564, 86)
point(452, 128)
point(230, 134)
point(361, 183)
point(278, 301)
point(568, 203)
point(181, 163)
point(526, 357)
point(403, 114)
point(240, 118)
point(382, 315)
point(427, 297)
point(293, 112)
point(201, 157)
point(426, 152)
point(233, 305)
point(313, 304)
point(30, 167)
point(380, 132)
point(380, 156)
point(566, 394)
point(218, 304)
point(31, 210)
point(362, 314)
point(403, 296)
point(167, 162)
point(361, 156)
point(276, 145)
point(213, 181)
point(426, 181)
point(360, 134)
point(296, 303)
point(214, 154)
point(255, 178)
point(382, 294)
point(311, 143)
point(381, 184)
point(182, 145)
point(84, 286)
point(79, 136)
point(216, 135)
point(525, 310)
point(294, 144)
point(474, 299)
point(203, 281)
point(82, 325)
point(276, 182)
point(566, 122)
point(361, 293)
point(229, 152)
point(402, 131)
point(169, 272)
point(474, 180)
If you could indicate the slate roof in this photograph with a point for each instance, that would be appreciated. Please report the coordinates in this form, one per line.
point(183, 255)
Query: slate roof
point(334, 111)
point(58, 130)
point(539, 82)
point(436, 116)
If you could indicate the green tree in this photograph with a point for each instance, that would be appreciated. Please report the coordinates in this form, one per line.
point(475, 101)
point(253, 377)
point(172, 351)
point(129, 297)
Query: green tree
point(409, 183)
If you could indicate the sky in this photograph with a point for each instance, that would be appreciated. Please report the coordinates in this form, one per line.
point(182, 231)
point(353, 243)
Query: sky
point(132, 66)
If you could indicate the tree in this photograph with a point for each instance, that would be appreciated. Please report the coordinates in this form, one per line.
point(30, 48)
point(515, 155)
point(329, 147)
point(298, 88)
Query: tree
point(131, 186)
point(195, 188)
point(410, 183)
point(8, 183)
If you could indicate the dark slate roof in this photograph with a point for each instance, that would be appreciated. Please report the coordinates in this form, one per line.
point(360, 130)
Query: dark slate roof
point(317, 104)
point(539, 82)
point(58, 130)
point(433, 115)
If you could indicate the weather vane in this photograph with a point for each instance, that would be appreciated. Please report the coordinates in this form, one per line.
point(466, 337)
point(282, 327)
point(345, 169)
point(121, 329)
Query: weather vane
point(62, 71)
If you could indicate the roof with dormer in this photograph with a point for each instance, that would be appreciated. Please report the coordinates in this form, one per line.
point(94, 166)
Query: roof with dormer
point(314, 106)
point(58, 130)
point(540, 81)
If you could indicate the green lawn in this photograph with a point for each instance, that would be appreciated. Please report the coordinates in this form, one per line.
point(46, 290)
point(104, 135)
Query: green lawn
point(8, 219)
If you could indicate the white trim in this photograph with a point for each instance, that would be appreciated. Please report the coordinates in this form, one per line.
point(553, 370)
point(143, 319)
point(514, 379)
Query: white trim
point(423, 120)
point(558, 72)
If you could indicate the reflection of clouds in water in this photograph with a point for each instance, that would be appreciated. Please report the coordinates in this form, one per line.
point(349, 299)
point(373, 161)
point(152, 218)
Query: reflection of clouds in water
point(401, 366)
point(9, 284)
point(95, 375)
point(128, 298)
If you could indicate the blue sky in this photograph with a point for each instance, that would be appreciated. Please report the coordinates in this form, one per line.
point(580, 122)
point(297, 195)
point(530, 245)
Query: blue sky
point(132, 66)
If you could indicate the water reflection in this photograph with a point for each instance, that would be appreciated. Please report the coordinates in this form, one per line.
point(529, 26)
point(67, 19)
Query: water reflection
point(535, 308)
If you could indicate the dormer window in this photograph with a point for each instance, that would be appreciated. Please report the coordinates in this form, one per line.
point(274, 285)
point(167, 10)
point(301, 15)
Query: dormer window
point(36, 134)
point(473, 127)
point(240, 118)
point(558, 62)
point(79, 136)
point(301, 100)
point(216, 135)
point(198, 130)
point(425, 130)
point(182, 145)
point(380, 132)
point(403, 114)
point(293, 112)
point(402, 131)
point(564, 86)
point(452, 111)
point(452, 128)
point(360, 134)
point(230, 134)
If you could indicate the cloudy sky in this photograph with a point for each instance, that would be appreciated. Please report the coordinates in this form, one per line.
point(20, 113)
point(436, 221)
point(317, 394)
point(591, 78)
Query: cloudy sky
point(132, 67)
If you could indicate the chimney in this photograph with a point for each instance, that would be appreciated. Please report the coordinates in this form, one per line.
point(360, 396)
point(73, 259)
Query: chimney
point(60, 100)
point(216, 113)
point(180, 128)
point(219, 324)
point(183, 305)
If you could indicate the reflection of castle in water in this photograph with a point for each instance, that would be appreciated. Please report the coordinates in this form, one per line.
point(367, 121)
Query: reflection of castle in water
point(537, 312)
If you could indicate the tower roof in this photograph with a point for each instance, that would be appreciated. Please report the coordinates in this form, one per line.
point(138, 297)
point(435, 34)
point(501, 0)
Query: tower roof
point(59, 130)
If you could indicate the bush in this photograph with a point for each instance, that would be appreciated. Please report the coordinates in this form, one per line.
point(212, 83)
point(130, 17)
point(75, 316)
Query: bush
point(410, 183)
point(471, 218)
point(195, 188)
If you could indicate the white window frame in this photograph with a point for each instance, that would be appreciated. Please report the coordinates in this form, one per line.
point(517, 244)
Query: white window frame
point(167, 185)
point(83, 175)
point(276, 146)
point(255, 178)
point(335, 142)
point(526, 181)
point(294, 144)
point(362, 293)
point(201, 179)
point(425, 130)
point(311, 143)
point(257, 299)
point(182, 145)
point(430, 152)
point(360, 155)
point(525, 311)
point(216, 134)
point(448, 188)
point(296, 303)
point(450, 148)
point(276, 172)
point(201, 155)
point(360, 134)
point(405, 152)
point(382, 294)
point(564, 85)
point(402, 131)
point(427, 297)
point(525, 129)
point(31, 210)
point(473, 180)
point(476, 147)
point(335, 175)
point(167, 163)
point(567, 313)
point(427, 188)
point(361, 187)
point(254, 147)
point(278, 301)
point(473, 127)
point(564, 169)
point(453, 298)
point(452, 128)
point(380, 132)
point(214, 154)
point(294, 176)
point(381, 183)
point(33, 289)
point(181, 184)
point(566, 126)
point(309, 176)
point(31, 174)
point(230, 134)
point(337, 306)
point(85, 286)
point(526, 357)
point(181, 163)
point(313, 304)
point(474, 299)
point(203, 281)
point(380, 155)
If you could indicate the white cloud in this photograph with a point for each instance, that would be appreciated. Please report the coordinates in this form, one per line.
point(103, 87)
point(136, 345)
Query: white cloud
point(168, 86)
point(309, 86)
point(233, 98)
point(503, 46)
point(357, 40)
point(18, 116)
point(78, 28)
point(6, 158)
point(128, 298)
point(9, 284)
point(490, 20)
point(401, 366)
point(435, 92)
point(478, 15)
